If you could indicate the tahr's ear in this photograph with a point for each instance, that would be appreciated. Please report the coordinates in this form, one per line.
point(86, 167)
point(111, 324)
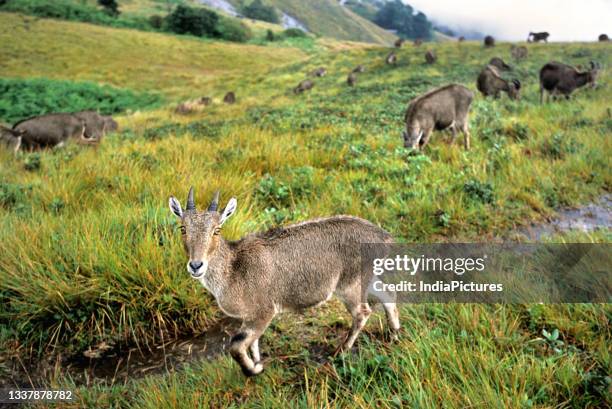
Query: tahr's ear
point(175, 206)
point(229, 210)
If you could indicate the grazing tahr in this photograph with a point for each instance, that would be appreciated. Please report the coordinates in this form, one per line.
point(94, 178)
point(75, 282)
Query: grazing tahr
point(351, 80)
point(561, 79)
point(319, 72)
point(418, 42)
point(399, 42)
point(603, 38)
point(95, 124)
point(461, 39)
point(489, 41)
point(230, 98)
point(490, 83)
point(441, 108)
point(303, 86)
point(391, 58)
point(430, 57)
point(284, 269)
point(499, 64)
point(537, 37)
point(193, 105)
point(52, 130)
point(518, 53)
point(358, 69)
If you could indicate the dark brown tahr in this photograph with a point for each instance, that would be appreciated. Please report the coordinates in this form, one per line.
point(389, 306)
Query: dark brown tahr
point(561, 79)
point(230, 98)
point(351, 80)
point(53, 130)
point(430, 57)
point(284, 269)
point(303, 86)
point(537, 37)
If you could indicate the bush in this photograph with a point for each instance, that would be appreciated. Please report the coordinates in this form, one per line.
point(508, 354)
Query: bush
point(32, 162)
point(232, 30)
point(23, 98)
point(294, 33)
point(257, 10)
point(72, 11)
point(195, 21)
point(479, 191)
point(110, 6)
point(269, 35)
point(156, 21)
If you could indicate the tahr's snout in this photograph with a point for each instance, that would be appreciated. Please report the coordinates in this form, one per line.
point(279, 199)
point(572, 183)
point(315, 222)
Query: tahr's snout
point(195, 268)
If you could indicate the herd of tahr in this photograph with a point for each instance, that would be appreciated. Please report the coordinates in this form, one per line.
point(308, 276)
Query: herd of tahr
point(302, 265)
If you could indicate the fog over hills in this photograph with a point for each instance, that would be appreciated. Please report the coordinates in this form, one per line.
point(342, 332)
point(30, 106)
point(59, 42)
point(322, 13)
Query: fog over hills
point(512, 20)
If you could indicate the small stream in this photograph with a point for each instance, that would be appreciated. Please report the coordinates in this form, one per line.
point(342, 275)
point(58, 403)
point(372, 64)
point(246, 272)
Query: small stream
point(589, 218)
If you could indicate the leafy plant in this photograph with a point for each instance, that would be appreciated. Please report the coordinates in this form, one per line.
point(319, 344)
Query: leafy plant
point(32, 162)
point(195, 21)
point(479, 191)
point(24, 98)
point(257, 10)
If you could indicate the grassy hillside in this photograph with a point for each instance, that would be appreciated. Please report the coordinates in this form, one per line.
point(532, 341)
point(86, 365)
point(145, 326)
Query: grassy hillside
point(172, 65)
point(91, 253)
point(328, 18)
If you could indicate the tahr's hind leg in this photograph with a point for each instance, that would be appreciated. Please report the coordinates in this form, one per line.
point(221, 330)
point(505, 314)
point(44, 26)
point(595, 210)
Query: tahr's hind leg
point(465, 128)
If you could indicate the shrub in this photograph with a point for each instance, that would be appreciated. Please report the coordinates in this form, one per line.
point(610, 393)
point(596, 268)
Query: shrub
point(195, 21)
point(13, 196)
point(72, 11)
point(479, 191)
point(156, 21)
point(23, 98)
point(257, 10)
point(559, 146)
point(32, 162)
point(110, 6)
point(232, 30)
point(269, 35)
point(294, 33)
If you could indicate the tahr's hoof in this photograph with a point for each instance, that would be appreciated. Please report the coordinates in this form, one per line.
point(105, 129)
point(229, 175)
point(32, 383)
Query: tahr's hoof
point(257, 369)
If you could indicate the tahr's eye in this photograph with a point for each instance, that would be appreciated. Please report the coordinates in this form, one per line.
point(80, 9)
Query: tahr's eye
point(183, 230)
point(217, 231)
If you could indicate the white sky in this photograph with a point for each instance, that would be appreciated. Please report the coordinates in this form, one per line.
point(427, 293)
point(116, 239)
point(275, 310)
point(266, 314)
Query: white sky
point(512, 20)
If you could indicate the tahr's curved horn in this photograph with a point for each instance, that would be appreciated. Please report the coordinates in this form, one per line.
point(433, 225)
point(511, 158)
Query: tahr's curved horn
point(190, 201)
point(215, 203)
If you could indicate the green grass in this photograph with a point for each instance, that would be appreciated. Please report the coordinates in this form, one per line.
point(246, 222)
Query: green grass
point(91, 253)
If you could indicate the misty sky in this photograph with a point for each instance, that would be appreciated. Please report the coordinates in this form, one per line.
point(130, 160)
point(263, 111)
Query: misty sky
point(565, 20)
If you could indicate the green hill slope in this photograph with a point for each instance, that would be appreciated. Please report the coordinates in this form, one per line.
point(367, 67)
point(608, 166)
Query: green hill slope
point(173, 65)
point(328, 18)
